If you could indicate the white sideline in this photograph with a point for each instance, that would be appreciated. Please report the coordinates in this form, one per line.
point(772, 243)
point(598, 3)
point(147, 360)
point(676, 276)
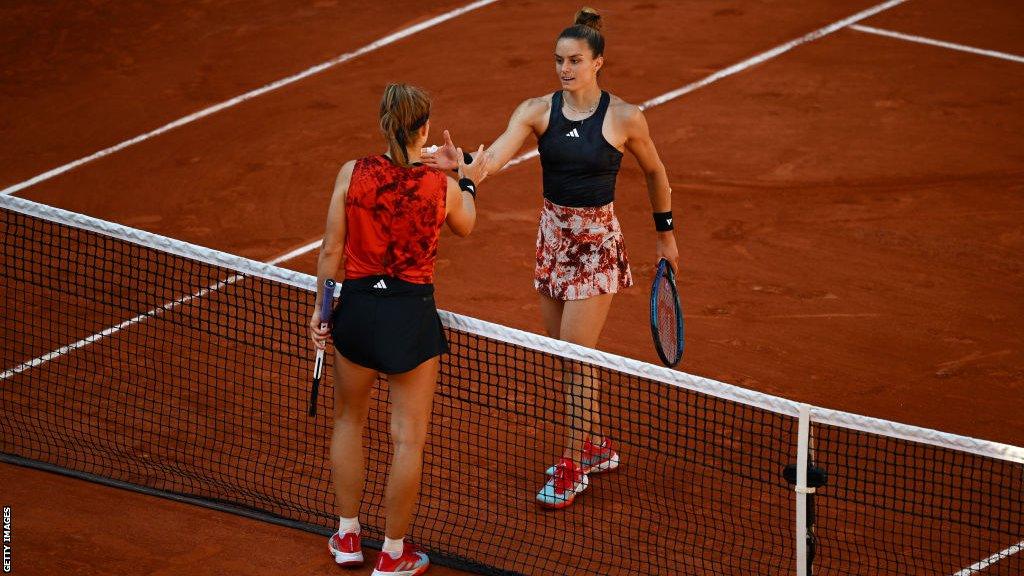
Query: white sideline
point(117, 328)
point(939, 43)
point(249, 95)
point(981, 565)
point(745, 64)
point(266, 270)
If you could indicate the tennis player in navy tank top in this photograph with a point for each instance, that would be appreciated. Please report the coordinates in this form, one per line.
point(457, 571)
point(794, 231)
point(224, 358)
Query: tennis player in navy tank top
point(581, 133)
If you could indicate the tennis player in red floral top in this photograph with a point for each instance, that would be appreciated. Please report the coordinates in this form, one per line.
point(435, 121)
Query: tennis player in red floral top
point(385, 218)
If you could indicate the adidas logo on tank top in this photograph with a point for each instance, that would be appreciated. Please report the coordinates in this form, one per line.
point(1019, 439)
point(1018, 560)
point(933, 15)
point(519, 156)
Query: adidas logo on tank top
point(573, 133)
point(381, 285)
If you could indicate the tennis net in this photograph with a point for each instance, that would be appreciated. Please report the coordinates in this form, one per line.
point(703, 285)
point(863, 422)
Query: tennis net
point(149, 363)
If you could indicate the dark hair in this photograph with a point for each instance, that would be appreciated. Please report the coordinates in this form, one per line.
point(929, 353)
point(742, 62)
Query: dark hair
point(586, 26)
point(404, 109)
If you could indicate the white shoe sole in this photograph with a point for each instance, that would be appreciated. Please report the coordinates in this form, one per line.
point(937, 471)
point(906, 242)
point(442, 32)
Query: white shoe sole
point(609, 464)
point(413, 572)
point(347, 558)
point(344, 558)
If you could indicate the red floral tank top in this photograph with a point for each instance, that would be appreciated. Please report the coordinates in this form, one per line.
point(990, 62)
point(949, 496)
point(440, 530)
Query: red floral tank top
point(393, 217)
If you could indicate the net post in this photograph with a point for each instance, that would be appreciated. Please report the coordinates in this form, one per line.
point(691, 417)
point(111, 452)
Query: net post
point(803, 442)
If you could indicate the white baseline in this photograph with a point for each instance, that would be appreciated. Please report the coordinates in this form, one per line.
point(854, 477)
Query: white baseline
point(735, 68)
point(249, 95)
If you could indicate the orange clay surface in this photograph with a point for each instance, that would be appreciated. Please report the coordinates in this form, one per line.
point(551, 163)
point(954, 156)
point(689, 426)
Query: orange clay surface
point(850, 214)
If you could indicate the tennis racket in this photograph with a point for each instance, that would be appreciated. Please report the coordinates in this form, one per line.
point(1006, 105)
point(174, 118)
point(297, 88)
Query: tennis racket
point(666, 315)
point(318, 365)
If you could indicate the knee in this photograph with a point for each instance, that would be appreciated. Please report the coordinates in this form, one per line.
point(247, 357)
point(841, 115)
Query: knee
point(347, 417)
point(408, 436)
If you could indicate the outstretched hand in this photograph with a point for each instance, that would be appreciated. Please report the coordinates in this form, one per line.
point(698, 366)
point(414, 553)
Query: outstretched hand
point(445, 157)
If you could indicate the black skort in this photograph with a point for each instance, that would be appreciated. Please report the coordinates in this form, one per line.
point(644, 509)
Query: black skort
point(387, 324)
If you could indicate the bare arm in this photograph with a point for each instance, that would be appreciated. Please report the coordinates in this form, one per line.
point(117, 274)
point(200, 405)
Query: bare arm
point(461, 204)
point(331, 250)
point(639, 143)
point(527, 119)
point(461, 208)
point(520, 126)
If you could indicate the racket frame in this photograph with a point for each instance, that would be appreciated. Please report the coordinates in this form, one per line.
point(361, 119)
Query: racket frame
point(665, 270)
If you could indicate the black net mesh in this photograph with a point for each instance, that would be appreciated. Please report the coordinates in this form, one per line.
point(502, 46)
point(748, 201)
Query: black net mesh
point(128, 363)
point(897, 507)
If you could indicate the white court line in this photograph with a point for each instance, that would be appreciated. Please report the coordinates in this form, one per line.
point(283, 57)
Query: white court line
point(735, 68)
point(979, 566)
point(295, 253)
point(114, 329)
point(749, 62)
point(148, 314)
point(939, 43)
point(249, 95)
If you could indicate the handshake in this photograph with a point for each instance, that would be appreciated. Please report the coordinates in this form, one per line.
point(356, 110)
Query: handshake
point(450, 157)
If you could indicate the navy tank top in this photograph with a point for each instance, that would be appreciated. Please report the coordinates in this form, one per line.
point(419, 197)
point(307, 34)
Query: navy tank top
point(579, 165)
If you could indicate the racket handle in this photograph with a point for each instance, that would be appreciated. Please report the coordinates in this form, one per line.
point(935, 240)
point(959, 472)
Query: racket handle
point(325, 303)
point(318, 365)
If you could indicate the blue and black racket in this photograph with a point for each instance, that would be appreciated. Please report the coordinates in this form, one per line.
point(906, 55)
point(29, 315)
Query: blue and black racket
point(318, 365)
point(666, 315)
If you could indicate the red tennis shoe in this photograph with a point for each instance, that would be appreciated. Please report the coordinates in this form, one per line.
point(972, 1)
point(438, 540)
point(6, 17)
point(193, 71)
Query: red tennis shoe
point(599, 458)
point(565, 481)
point(412, 562)
point(346, 549)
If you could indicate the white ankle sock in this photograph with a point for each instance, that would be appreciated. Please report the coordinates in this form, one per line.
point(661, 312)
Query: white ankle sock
point(347, 525)
point(393, 547)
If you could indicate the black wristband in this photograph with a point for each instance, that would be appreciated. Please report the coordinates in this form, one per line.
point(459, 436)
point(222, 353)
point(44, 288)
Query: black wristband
point(663, 221)
point(468, 185)
point(467, 158)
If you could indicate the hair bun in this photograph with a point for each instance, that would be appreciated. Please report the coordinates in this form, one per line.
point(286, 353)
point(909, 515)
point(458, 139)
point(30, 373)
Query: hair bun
point(588, 17)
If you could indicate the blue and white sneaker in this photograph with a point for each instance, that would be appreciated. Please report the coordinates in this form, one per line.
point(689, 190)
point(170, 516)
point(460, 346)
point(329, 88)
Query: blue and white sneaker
point(565, 482)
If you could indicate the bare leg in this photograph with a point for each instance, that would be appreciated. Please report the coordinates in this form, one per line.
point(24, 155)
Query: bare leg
point(551, 312)
point(412, 396)
point(352, 385)
point(579, 322)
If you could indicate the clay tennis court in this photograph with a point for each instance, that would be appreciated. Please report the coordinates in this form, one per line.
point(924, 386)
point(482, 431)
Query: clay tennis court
point(850, 210)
